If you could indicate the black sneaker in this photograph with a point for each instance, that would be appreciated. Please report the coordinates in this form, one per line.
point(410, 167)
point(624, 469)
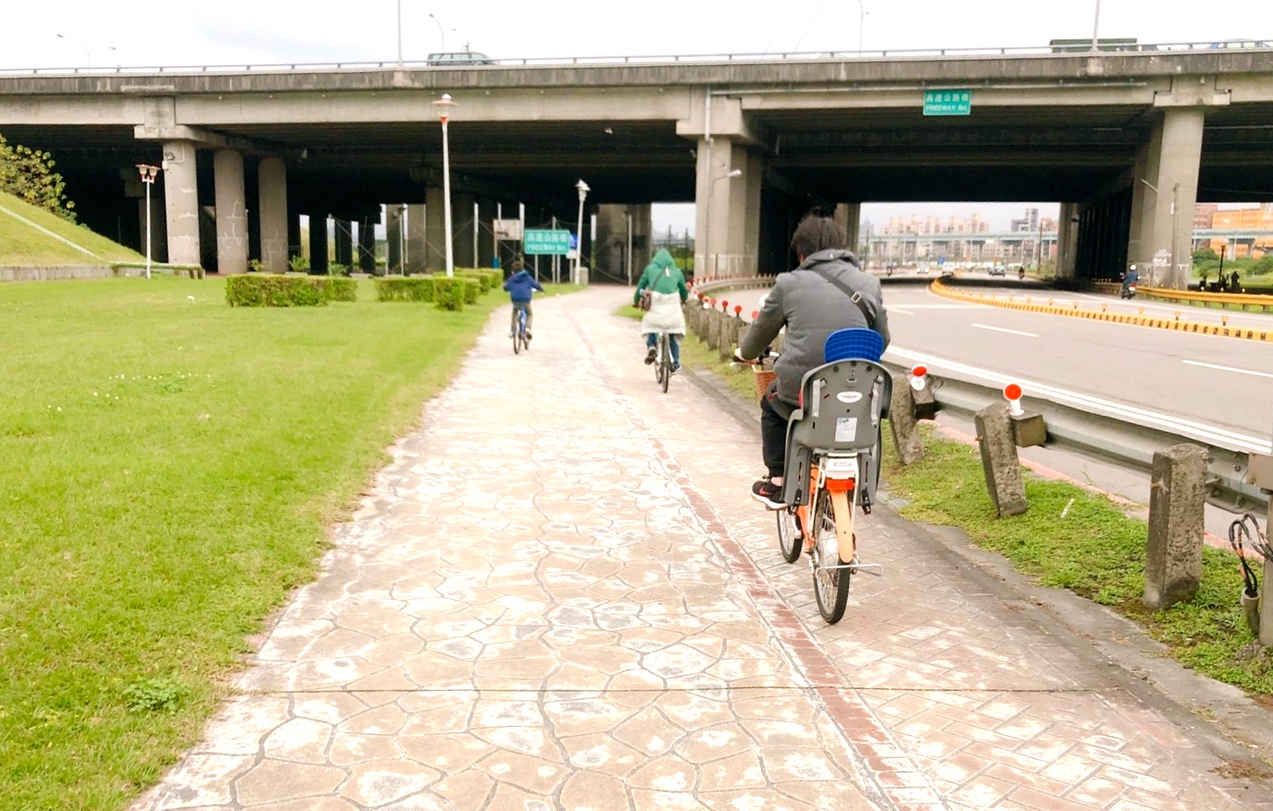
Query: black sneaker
point(528, 335)
point(768, 493)
point(649, 356)
point(675, 368)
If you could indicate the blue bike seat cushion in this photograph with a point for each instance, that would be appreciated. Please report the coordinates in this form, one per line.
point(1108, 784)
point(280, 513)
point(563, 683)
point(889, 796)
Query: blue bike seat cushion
point(854, 342)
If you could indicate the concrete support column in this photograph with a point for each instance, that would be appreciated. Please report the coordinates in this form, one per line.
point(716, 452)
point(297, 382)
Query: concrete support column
point(232, 218)
point(1166, 187)
point(395, 226)
point(272, 180)
point(1067, 240)
point(462, 230)
point(344, 243)
point(367, 244)
point(486, 233)
point(727, 210)
point(318, 243)
point(849, 217)
point(416, 252)
point(435, 229)
point(181, 202)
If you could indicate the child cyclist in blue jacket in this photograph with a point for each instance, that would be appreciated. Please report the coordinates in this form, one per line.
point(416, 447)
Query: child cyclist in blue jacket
point(521, 286)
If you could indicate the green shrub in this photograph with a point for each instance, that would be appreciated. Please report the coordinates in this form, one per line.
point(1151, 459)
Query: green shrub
point(298, 264)
point(340, 289)
point(405, 288)
point(337, 269)
point(489, 278)
point(472, 290)
point(449, 293)
point(272, 290)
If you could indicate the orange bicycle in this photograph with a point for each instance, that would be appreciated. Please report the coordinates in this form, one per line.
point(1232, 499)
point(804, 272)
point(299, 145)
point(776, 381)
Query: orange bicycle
point(832, 464)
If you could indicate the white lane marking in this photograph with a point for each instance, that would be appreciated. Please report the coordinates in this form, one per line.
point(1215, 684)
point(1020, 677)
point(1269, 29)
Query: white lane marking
point(1227, 368)
point(892, 310)
point(1209, 433)
point(1010, 331)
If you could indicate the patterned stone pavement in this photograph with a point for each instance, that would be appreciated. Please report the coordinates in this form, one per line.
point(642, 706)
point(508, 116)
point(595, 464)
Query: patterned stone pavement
point(559, 596)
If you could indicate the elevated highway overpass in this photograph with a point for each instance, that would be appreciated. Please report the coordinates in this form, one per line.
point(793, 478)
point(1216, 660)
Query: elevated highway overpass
point(1115, 137)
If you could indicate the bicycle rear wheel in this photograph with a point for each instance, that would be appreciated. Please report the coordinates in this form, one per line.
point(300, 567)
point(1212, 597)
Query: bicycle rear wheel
point(517, 340)
point(830, 585)
point(665, 361)
point(790, 542)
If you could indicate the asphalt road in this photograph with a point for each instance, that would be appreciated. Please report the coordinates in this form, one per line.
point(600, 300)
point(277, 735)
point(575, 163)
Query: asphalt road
point(1216, 389)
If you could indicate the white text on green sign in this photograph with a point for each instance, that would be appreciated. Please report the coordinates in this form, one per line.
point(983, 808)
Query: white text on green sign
point(947, 102)
point(546, 242)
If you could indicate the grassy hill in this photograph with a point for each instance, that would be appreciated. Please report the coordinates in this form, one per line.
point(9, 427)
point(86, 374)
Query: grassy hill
point(23, 244)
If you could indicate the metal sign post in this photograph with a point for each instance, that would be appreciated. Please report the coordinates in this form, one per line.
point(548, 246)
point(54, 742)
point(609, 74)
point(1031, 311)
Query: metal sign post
point(148, 174)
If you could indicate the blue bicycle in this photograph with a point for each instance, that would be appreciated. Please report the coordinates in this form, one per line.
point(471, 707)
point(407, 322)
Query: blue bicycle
point(521, 338)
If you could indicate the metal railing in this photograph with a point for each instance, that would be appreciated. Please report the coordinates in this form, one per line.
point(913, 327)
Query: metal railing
point(1117, 439)
point(1147, 49)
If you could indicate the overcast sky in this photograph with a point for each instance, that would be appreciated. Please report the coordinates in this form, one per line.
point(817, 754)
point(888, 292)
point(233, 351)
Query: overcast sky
point(142, 33)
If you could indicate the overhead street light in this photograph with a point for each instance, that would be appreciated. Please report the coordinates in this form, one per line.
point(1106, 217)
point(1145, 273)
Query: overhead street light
point(148, 174)
point(710, 259)
point(861, 25)
point(441, 30)
point(583, 195)
point(444, 105)
point(88, 52)
point(1096, 24)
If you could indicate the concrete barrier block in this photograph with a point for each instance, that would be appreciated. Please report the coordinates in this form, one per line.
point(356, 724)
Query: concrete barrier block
point(714, 319)
point(902, 422)
point(1177, 497)
point(1029, 429)
point(999, 460)
point(730, 330)
point(924, 403)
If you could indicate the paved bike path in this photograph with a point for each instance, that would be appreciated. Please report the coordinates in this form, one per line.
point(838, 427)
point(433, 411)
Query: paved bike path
point(558, 595)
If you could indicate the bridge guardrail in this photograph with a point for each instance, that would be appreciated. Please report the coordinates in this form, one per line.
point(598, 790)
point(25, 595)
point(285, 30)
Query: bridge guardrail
point(1111, 438)
point(602, 61)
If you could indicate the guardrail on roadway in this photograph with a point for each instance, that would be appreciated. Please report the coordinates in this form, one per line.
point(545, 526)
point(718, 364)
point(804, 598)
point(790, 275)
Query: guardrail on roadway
point(601, 61)
point(1122, 441)
point(1243, 300)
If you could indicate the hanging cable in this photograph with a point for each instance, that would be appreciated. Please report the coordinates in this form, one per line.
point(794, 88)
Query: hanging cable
point(1239, 534)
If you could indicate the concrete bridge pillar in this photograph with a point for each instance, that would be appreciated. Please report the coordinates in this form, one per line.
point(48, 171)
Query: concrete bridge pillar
point(1163, 196)
point(395, 228)
point(463, 235)
point(486, 232)
point(367, 244)
point(1067, 240)
point(435, 229)
point(727, 208)
point(416, 252)
point(318, 243)
point(849, 217)
point(181, 202)
point(272, 180)
point(231, 208)
point(344, 243)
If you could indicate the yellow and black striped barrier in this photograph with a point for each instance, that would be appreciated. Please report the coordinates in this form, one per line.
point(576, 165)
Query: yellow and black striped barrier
point(1050, 306)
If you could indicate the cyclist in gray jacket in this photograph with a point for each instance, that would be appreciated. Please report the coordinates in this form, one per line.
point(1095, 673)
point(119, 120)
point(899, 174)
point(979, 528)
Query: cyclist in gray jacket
point(811, 306)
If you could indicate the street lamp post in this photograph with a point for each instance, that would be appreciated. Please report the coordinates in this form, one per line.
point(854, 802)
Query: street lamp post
point(861, 24)
point(441, 30)
point(399, 34)
point(709, 259)
point(583, 194)
point(444, 105)
point(88, 52)
point(148, 174)
point(1096, 24)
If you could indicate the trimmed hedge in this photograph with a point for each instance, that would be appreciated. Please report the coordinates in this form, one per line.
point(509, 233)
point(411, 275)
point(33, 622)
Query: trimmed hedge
point(451, 293)
point(274, 290)
point(472, 290)
point(341, 289)
point(405, 288)
point(489, 277)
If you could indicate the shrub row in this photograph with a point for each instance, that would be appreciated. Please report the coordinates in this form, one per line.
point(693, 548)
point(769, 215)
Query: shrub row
point(447, 293)
point(275, 290)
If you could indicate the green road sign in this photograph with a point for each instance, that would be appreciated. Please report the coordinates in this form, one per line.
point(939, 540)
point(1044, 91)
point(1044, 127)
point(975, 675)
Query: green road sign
point(947, 102)
point(543, 241)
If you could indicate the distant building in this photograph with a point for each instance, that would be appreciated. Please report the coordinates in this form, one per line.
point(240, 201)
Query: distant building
point(1257, 218)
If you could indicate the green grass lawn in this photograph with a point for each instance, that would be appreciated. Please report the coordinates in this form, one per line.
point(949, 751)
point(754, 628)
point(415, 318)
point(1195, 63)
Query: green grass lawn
point(167, 471)
point(20, 244)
